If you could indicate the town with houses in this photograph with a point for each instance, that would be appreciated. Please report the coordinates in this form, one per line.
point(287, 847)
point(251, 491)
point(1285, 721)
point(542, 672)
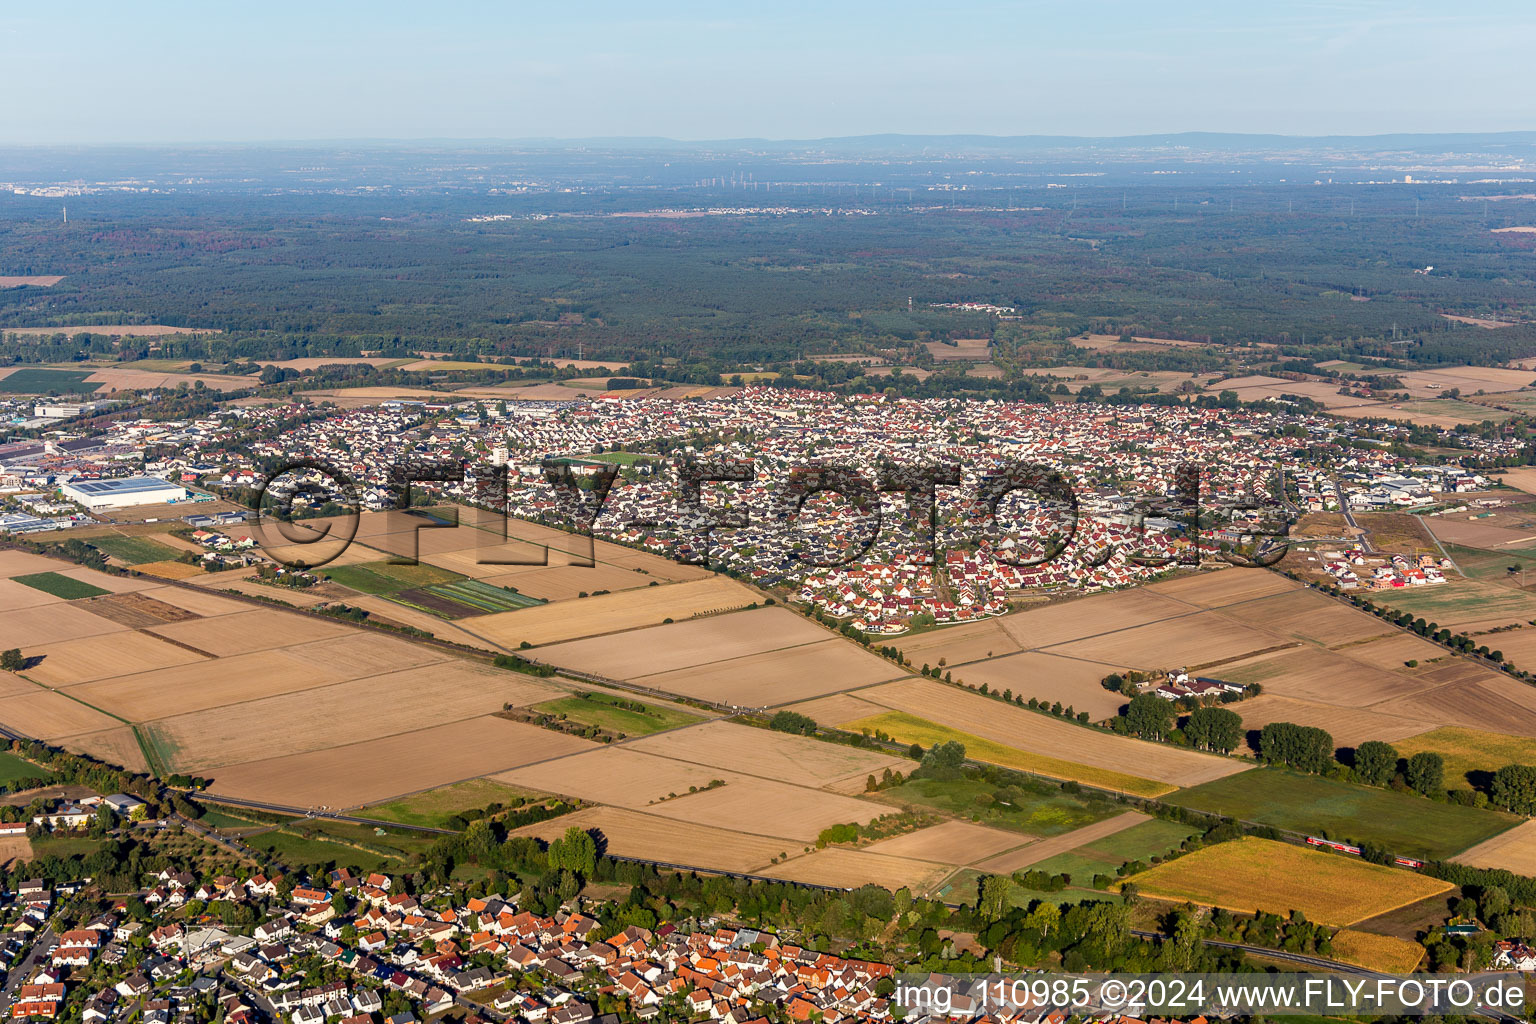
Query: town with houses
point(877, 567)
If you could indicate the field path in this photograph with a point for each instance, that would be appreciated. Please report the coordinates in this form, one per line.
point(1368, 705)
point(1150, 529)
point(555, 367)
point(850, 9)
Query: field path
point(1034, 853)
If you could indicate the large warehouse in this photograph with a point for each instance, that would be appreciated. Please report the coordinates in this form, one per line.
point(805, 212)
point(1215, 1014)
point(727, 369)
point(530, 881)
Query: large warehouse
point(133, 490)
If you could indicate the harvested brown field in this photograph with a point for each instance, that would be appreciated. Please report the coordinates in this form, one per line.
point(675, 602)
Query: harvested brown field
point(378, 769)
point(12, 684)
point(952, 842)
point(15, 595)
point(1325, 677)
point(1192, 640)
point(610, 613)
point(838, 707)
point(1090, 616)
point(138, 610)
point(14, 849)
point(68, 662)
point(758, 805)
point(970, 641)
point(1307, 615)
point(118, 746)
point(1048, 678)
point(116, 330)
point(395, 703)
point(1467, 378)
point(1223, 587)
point(1033, 732)
point(1521, 477)
point(682, 645)
point(618, 775)
point(48, 623)
point(51, 716)
point(1045, 849)
point(202, 684)
point(256, 629)
point(196, 599)
point(767, 754)
point(974, 349)
point(777, 677)
point(1478, 534)
point(632, 834)
point(850, 869)
point(32, 280)
point(1514, 850)
point(20, 563)
point(1348, 726)
point(563, 583)
point(1395, 650)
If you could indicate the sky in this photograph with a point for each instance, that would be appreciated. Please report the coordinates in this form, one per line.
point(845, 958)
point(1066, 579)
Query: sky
point(99, 72)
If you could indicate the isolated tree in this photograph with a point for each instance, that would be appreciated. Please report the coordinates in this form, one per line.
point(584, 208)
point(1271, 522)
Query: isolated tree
point(1375, 762)
point(1425, 773)
point(1302, 747)
point(1150, 716)
point(12, 661)
point(1214, 729)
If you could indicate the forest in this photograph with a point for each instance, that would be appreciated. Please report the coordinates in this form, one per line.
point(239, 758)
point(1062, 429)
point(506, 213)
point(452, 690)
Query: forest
point(1319, 274)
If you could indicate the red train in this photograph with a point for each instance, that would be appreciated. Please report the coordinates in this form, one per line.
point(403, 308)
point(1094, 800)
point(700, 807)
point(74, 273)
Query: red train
point(1402, 862)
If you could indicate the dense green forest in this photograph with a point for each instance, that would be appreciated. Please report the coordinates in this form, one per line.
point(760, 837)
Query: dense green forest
point(1322, 276)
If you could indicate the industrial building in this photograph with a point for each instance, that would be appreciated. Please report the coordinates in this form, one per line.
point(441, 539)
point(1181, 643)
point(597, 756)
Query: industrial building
point(121, 493)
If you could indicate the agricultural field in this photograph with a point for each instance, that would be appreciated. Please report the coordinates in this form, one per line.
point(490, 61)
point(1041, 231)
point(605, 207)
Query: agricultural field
point(612, 613)
point(1406, 825)
point(385, 578)
point(1140, 842)
point(650, 652)
point(133, 550)
point(31, 380)
point(617, 714)
point(1387, 954)
point(962, 711)
point(1470, 750)
point(1462, 604)
point(906, 728)
point(13, 768)
point(626, 833)
point(60, 585)
point(1248, 874)
point(1514, 850)
point(435, 806)
point(1034, 812)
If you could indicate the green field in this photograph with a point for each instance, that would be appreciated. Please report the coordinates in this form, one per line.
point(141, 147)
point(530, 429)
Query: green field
point(482, 596)
point(1460, 601)
point(905, 728)
point(436, 806)
point(961, 887)
point(1102, 856)
point(1039, 810)
point(384, 578)
point(31, 380)
point(133, 550)
point(13, 768)
point(1402, 823)
point(602, 710)
point(59, 586)
point(317, 843)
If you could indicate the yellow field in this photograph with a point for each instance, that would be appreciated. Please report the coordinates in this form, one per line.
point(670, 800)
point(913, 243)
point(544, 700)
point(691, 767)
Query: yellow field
point(907, 728)
point(1468, 750)
point(1261, 874)
point(1385, 953)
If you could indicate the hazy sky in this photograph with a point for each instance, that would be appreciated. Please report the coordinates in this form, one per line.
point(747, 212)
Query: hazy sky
point(95, 71)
